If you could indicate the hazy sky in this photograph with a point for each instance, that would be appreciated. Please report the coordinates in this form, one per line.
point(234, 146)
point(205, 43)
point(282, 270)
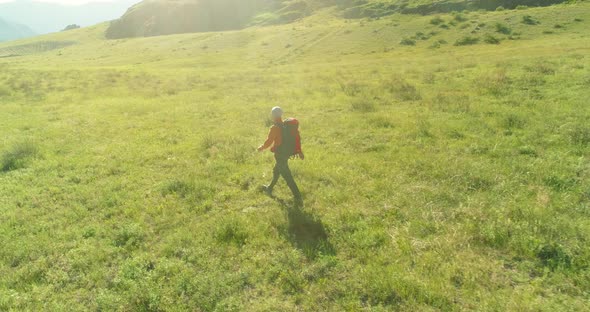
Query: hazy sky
point(72, 2)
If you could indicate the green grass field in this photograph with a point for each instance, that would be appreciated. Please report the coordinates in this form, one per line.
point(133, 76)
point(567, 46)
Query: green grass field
point(447, 167)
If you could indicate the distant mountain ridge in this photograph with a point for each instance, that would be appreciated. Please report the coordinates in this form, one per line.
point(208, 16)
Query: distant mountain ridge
point(43, 17)
point(12, 31)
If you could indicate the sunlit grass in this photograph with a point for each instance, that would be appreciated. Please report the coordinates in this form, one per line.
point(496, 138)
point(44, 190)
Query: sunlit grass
point(436, 178)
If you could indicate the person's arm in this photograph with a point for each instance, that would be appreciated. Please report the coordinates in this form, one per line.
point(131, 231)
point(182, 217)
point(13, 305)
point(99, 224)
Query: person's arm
point(272, 134)
point(298, 150)
point(297, 143)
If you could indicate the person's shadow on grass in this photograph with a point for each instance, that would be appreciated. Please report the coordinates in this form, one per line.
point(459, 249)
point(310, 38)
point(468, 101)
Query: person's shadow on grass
point(305, 231)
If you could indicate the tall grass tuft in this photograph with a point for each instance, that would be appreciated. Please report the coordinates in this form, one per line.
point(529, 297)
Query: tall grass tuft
point(231, 232)
point(541, 68)
point(18, 155)
point(513, 121)
point(580, 135)
point(176, 187)
point(402, 89)
point(363, 103)
point(5, 91)
point(496, 83)
point(351, 87)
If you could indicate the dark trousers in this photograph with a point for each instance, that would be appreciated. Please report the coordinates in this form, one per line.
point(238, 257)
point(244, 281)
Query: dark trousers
point(282, 169)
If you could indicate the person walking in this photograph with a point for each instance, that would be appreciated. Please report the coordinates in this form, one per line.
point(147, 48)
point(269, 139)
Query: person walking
point(286, 143)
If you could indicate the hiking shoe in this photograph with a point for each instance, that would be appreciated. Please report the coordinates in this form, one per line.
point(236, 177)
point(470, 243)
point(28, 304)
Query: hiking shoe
point(267, 190)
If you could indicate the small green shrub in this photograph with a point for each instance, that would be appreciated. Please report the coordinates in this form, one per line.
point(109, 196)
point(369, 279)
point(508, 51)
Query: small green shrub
point(444, 26)
point(500, 8)
point(17, 156)
point(529, 20)
point(437, 21)
point(467, 40)
point(557, 26)
point(436, 44)
point(578, 20)
point(491, 39)
point(130, 235)
point(554, 256)
point(503, 29)
point(421, 36)
point(408, 42)
point(521, 7)
point(460, 18)
point(88, 233)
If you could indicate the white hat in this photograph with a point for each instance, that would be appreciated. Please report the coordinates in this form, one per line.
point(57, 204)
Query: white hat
point(276, 112)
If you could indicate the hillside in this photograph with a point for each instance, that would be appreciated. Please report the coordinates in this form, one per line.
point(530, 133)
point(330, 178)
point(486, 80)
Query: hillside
point(446, 166)
point(11, 31)
point(164, 17)
point(45, 17)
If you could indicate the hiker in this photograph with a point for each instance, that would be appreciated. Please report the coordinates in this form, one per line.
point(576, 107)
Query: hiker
point(286, 143)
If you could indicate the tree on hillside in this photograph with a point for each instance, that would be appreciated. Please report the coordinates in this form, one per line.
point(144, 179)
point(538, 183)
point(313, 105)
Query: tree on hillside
point(71, 26)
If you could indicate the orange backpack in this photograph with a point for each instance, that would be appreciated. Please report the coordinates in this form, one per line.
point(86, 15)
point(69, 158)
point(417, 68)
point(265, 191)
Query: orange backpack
point(290, 137)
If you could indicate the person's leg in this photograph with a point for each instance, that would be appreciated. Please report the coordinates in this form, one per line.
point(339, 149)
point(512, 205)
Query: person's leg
point(288, 176)
point(276, 173)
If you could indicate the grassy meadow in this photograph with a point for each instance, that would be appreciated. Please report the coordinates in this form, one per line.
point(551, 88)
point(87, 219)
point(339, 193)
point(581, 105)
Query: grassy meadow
point(446, 167)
